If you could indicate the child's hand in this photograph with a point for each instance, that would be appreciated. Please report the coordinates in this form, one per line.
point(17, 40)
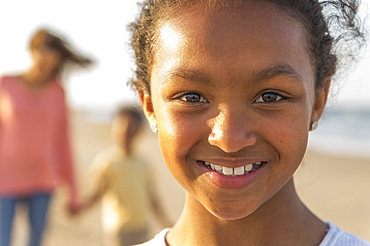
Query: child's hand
point(74, 208)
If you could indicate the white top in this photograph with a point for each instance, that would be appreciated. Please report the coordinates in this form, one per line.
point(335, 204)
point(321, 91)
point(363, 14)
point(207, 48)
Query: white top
point(334, 237)
point(337, 237)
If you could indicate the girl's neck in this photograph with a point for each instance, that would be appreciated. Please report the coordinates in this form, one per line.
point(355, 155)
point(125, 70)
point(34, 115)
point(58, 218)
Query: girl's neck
point(35, 79)
point(283, 220)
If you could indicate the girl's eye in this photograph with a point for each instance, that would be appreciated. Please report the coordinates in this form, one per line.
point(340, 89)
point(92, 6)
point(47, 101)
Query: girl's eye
point(193, 98)
point(269, 97)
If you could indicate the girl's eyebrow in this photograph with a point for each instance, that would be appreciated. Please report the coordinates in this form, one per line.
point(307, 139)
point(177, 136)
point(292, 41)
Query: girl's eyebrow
point(190, 74)
point(275, 71)
point(196, 75)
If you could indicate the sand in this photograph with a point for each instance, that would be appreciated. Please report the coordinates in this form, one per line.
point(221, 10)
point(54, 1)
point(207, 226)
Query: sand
point(337, 189)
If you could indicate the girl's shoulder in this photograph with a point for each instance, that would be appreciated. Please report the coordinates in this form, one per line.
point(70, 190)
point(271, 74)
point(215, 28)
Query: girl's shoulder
point(58, 87)
point(7, 79)
point(338, 237)
point(158, 240)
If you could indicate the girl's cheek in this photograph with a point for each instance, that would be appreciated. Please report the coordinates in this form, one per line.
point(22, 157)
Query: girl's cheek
point(176, 129)
point(292, 141)
point(288, 131)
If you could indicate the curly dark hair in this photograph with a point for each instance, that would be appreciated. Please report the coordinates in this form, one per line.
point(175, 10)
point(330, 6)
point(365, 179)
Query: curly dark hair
point(334, 31)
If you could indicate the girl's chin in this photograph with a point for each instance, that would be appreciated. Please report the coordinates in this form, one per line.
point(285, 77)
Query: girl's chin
point(231, 212)
point(231, 216)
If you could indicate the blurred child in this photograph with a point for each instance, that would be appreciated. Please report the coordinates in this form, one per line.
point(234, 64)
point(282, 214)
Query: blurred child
point(125, 184)
point(34, 144)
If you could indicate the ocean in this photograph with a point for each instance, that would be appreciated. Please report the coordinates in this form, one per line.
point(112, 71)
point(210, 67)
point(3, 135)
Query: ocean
point(343, 131)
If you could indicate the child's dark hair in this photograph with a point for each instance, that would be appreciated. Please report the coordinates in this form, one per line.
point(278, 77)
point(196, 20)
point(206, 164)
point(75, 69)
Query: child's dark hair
point(45, 38)
point(131, 111)
point(334, 31)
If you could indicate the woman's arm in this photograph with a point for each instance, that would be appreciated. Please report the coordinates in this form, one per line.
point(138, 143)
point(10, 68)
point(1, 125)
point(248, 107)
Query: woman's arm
point(65, 158)
point(0, 111)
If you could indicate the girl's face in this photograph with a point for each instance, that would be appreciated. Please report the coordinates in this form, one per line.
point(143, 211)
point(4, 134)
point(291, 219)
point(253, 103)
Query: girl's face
point(233, 90)
point(47, 60)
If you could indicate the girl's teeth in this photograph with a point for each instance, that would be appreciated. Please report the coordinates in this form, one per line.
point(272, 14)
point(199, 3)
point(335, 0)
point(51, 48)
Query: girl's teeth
point(218, 168)
point(229, 171)
point(248, 167)
point(239, 170)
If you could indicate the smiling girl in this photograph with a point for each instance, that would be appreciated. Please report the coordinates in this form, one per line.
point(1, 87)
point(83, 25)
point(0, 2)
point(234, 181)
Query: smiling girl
point(233, 88)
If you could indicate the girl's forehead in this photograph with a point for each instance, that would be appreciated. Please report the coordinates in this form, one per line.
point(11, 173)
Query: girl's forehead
point(224, 34)
point(208, 27)
point(199, 15)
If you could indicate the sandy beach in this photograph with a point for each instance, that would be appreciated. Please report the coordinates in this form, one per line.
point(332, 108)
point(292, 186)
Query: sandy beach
point(335, 188)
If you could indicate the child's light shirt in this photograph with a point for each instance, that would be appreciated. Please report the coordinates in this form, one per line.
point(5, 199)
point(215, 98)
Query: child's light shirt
point(125, 204)
point(334, 237)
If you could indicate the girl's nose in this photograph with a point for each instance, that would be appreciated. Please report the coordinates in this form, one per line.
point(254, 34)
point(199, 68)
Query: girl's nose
point(231, 131)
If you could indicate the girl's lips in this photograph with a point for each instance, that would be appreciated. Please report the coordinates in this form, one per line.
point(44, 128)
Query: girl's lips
point(231, 182)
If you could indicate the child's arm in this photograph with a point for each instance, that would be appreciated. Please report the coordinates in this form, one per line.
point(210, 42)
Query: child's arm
point(96, 196)
point(98, 172)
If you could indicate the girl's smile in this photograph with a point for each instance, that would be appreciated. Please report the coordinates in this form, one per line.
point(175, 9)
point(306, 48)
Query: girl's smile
point(232, 178)
point(234, 170)
point(233, 94)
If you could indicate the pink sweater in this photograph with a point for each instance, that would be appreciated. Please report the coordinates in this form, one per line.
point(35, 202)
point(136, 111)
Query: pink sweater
point(34, 143)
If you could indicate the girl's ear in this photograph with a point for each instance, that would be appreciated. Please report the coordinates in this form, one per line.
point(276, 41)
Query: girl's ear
point(320, 102)
point(146, 104)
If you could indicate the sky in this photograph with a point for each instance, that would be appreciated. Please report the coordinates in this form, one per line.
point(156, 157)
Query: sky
point(98, 29)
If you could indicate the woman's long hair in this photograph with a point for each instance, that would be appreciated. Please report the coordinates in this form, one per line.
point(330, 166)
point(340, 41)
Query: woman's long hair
point(45, 38)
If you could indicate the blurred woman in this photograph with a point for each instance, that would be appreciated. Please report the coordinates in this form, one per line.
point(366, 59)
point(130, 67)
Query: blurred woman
point(34, 146)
